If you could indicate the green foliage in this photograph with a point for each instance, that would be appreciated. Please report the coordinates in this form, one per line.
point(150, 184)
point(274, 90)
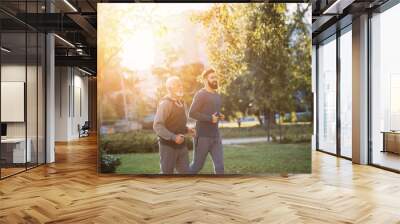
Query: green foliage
point(188, 74)
point(291, 133)
point(262, 55)
point(243, 132)
point(133, 142)
point(226, 39)
point(109, 163)
point(301, 56)
point(146, 141)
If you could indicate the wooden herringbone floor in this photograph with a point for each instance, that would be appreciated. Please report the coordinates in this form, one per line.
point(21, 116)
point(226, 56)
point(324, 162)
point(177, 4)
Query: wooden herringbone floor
point(70, 191)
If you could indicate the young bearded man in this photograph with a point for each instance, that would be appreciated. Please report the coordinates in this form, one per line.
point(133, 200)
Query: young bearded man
point(170, 126)
point(205, 109)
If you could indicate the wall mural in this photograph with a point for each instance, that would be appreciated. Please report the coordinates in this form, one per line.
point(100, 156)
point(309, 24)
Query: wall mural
point(204, 88)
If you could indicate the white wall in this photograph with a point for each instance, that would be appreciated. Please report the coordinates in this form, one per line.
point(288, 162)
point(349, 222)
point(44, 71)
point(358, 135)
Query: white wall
point(12, 73)
point(71, 94)
point(62, 81)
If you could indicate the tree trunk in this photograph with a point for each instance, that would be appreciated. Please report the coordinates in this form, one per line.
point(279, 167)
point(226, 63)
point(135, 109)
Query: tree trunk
point(271, 122)
point(265, 118)
point(272, 118)
point(267, 122)
point(280, 128)
point(259, 119)
point(269, 125)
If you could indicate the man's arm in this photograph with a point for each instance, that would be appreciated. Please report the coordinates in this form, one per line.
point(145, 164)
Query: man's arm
point(194, 111)
point(163, 110)
point(186, 117)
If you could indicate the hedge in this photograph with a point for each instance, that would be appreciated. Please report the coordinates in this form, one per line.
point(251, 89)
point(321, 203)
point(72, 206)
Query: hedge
point(133, 142)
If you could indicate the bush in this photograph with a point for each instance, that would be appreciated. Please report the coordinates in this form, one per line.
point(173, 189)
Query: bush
point(133, 142)
point(109, 163)
point(145, 141)
point(293, 133)
point(243, 132)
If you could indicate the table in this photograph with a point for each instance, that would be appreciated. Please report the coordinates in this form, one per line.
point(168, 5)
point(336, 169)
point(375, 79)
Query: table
point(13, 150)
point(391, 141)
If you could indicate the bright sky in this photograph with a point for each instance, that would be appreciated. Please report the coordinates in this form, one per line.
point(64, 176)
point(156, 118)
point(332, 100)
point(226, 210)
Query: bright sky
point(175, 8)
point(138, 50)
point(140, 46)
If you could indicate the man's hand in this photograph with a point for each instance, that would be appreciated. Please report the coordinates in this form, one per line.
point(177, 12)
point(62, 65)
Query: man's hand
point(215, 118)
point(179, 139)
point(192, 132)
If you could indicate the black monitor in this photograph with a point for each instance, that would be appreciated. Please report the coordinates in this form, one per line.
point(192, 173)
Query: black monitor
point(3, 129)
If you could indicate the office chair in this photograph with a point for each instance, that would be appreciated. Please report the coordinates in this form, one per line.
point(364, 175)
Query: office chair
point(84, 130)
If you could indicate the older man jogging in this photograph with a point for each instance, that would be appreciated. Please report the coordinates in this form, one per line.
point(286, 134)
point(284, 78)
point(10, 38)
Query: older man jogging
point(170, 126)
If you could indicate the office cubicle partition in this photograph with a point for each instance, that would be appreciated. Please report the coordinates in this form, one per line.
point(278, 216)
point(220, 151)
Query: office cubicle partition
point(22, 95)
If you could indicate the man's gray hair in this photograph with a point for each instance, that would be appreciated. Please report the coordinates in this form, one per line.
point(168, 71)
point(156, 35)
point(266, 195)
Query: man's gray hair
point(171, 81)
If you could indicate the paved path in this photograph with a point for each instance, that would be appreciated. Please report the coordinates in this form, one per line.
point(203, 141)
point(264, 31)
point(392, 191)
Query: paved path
point(232, 141)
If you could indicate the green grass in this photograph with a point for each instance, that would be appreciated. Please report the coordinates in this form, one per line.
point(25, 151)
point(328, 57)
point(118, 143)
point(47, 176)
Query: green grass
point(258, 158)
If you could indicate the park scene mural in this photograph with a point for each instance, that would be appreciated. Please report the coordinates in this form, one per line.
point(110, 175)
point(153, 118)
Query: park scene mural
point(204, 88)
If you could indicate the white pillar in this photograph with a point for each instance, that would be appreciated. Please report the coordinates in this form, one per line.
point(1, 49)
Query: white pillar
point(50, 92)
point(50, 99)
point(360, 90)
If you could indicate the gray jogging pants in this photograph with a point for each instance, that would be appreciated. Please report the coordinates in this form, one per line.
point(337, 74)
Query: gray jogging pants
point(173, 158)
point(203, 146)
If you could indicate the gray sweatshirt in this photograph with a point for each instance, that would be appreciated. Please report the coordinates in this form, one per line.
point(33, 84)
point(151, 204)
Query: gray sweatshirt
point(203, 106)
point(170, 120)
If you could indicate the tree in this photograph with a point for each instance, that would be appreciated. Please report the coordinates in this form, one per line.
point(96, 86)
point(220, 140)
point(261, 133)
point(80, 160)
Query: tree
point(300, 34)
point(225, 40)
point(254, 50)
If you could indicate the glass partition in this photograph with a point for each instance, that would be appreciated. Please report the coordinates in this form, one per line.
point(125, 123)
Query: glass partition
point(13, 94)
point(22, 88)
point(327, 95)
point(385, 89)
point(346, 93)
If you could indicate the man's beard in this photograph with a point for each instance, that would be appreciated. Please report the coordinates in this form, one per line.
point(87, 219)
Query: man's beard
point(213, 85)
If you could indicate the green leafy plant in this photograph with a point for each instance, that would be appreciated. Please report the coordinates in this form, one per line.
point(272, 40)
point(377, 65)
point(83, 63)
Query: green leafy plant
point(109, 163)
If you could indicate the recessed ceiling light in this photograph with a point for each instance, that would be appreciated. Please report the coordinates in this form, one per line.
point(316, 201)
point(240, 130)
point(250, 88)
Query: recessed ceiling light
point(84, 71)
point(337, 7)
point(64, 40)
point(5, 50)
point(70, 5)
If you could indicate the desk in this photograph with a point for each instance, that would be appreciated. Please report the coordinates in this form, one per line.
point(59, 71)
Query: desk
point(13, 150)
point(391, 141)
